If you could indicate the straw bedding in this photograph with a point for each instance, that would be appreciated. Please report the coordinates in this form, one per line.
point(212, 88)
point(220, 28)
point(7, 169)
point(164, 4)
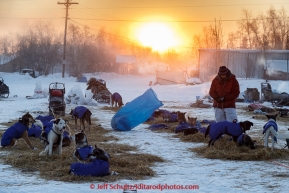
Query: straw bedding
point(125, 160)
point(225, 149)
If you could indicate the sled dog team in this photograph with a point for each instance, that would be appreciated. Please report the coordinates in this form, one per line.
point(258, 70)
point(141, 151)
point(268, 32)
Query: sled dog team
point(55, 134)
point(94, 161)
point(54, 137)
point(215, 130)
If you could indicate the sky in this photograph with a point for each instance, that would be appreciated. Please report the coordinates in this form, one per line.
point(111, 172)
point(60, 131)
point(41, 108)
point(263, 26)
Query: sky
point(182, 19)
point(183, 167)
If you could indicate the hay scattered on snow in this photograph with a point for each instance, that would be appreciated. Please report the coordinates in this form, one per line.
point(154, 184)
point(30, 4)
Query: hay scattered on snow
point(223, 148)
point(126, 160)
point(198, 137)
point(230, 150)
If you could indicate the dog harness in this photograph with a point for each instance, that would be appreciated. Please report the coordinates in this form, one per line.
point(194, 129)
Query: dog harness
point(269, 124)
point(15, 131)
point(84, 151)
point(96, 168)
point(225, 127)
point(116, 96)
point(79, 111)
point(47, 129)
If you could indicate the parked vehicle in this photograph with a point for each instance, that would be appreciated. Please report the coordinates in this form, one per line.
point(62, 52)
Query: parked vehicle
point(276, 98)
point(31, 72)
point(4, 89)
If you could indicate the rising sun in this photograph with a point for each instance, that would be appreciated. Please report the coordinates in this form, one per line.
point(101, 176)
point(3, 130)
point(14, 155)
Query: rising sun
point(159, 36)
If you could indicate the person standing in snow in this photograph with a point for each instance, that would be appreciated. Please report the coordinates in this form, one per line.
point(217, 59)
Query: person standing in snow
point(224, 90)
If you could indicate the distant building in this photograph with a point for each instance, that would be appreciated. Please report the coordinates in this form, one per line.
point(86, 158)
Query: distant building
point(244, 63)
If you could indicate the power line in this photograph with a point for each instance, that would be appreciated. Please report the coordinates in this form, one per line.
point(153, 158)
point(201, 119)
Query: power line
point(30, 18)
point(117, 36)
point(122, 37)
point(141, 21)
point(187, 6)
point(67, 3)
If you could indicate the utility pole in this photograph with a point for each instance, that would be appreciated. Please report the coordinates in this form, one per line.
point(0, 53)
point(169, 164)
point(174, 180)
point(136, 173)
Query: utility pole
point(67, 3)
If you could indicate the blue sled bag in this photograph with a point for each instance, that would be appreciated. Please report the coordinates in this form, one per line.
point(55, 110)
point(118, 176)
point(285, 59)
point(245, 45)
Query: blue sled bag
point(136, 112)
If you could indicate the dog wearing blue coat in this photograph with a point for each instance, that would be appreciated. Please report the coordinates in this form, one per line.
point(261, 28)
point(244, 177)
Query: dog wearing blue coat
point(116, 99)
point(83, 114)
point(270, 129)
point(98, 166)
point(216, 130)
point(17, 131)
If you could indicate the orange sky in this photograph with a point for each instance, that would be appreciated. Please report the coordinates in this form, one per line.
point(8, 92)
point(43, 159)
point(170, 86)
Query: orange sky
point(186, 17)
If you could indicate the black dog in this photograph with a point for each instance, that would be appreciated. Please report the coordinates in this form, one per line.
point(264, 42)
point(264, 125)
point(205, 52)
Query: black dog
point(190, 131)
point(98, 153)
point(216, 130)
point(246, 140)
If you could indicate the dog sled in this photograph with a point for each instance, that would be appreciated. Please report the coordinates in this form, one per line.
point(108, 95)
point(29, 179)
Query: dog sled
point(276, 98)
point(4, 89)
point(103, 96)
point(99, 90)
point(252, 95)
point(57, 104)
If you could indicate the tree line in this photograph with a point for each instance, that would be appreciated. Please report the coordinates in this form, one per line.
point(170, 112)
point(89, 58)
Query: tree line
point(40, 46)
point(266, 31)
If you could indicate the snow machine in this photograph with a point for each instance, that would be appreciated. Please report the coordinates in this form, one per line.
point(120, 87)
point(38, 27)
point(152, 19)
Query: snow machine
point(4, 89)
point(276, 98)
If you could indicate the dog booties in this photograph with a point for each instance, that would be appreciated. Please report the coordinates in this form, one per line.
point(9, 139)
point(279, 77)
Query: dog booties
point(96, 168)
point(269, 124)
point(79, 111)
point(15, 131)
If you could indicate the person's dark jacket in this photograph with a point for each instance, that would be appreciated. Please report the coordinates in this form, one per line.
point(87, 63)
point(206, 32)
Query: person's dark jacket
point(225, 91)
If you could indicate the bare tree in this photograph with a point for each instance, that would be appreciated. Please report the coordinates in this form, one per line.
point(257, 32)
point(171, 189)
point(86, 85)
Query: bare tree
point(245, 26)
point(7, 48)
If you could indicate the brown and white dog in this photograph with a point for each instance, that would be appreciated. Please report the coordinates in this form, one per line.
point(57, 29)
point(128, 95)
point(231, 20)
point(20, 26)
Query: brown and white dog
point(53, 145)
point(181, 116)
point(192, 120)
point(17, 131)
point(82, 113)
point(82, 148)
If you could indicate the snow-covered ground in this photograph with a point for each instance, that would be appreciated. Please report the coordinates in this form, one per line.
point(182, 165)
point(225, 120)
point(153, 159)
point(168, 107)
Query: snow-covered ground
point(183, 167)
